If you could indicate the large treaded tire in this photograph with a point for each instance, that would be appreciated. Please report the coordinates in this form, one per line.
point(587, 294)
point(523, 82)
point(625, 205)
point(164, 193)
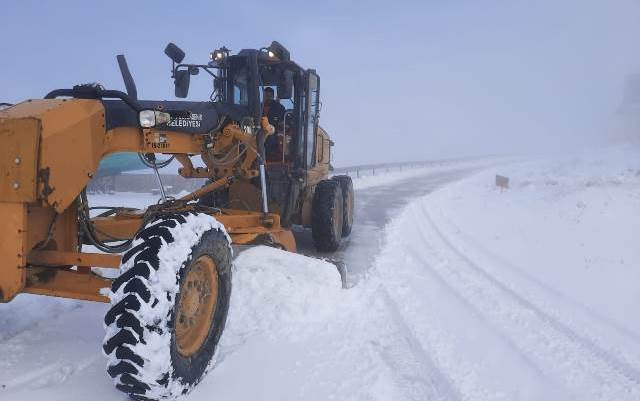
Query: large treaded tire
point(326, 216)
point(348, 205)
point(140, 343)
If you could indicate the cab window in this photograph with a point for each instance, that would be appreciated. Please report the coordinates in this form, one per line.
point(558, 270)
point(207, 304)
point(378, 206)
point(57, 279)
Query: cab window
point(240, 88)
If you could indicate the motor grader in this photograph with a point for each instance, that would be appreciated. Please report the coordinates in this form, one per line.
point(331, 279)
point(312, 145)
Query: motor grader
point(170, 296)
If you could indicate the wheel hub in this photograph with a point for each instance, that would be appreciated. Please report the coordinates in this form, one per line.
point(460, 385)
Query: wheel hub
point(197, 305)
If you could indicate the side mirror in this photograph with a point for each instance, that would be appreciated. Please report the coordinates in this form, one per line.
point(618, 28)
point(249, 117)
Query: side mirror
point(181, 81)
point(285, 88)
point(175, 53)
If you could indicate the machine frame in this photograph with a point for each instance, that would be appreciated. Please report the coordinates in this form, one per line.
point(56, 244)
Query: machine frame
point(51, 148)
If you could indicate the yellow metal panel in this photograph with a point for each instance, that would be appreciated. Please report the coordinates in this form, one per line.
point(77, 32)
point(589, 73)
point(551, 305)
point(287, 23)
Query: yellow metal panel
point(18, 159)
point(67, 284)
point(71, 144)
point(50, 230)
point(116, 227)
point(71, 148)
point(12, 252)
point(61, 258)
point(235, 222)
point(323, 147)
point(30, 108)
point(130, 139)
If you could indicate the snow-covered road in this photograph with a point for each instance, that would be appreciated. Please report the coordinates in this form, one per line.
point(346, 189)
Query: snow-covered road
point(447, 302)
point(379, 200)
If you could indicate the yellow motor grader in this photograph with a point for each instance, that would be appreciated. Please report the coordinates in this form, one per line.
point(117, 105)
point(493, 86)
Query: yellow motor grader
point(265, 171)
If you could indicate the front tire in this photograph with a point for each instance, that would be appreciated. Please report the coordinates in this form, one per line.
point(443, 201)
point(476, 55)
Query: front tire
point(326, 216)
point(169, 306)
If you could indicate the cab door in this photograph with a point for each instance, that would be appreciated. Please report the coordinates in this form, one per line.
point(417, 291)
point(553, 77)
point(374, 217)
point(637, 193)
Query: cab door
point(311, 116)
point(311, 109)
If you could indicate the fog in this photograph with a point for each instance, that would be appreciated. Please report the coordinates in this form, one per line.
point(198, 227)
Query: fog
point(400, 80)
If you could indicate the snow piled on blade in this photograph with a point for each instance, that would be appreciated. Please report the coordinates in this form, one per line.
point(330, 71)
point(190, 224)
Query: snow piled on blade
point(294, 334)
point(285, 337)
point(275, 279)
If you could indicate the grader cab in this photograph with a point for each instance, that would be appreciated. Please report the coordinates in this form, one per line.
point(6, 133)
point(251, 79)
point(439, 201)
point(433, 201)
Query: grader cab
point(266, 162)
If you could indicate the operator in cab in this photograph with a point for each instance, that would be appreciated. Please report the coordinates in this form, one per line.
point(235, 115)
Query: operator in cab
point(274, 111)
point(271, 108)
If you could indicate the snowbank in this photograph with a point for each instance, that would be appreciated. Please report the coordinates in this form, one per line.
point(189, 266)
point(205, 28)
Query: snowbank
point(526, 293)
point(573, 223)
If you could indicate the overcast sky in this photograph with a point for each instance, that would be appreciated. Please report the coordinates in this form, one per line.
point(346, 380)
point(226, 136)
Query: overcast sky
point(400, 80)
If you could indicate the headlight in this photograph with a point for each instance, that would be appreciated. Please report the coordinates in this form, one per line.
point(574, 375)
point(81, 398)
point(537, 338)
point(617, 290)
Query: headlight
point(151, 118)
point(216, 55)
point(219, 54)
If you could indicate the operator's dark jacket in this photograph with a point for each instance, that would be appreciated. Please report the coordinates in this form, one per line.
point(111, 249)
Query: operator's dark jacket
point(275, 113)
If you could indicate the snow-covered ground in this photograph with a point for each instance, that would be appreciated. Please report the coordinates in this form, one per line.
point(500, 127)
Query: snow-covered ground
point(465, 292)
point(530, 292)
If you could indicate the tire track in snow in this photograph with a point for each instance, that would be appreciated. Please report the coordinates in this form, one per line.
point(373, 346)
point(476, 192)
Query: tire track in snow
point(520, 272)
point(553, 385)
point(436, 385)
point(26, 318)
point(601, 364)
point(55, 373)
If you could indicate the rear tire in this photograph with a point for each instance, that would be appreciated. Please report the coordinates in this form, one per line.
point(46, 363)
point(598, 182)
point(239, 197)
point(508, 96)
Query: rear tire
point(348, 198)
point(326, 216)
point(169, 306)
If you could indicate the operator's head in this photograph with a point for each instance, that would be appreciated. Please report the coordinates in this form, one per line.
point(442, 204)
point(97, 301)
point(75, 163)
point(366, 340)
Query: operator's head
point(268, 94)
